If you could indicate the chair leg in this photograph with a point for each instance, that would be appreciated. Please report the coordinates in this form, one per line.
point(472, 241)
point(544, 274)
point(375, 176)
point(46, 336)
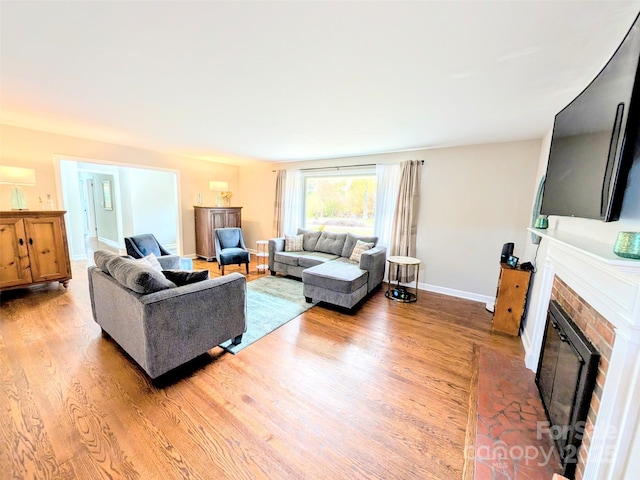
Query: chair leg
point(237, 340)
point(223, 270)
point(247, 268)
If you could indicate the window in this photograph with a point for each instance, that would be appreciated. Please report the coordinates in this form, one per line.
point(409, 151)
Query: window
point(340, 202)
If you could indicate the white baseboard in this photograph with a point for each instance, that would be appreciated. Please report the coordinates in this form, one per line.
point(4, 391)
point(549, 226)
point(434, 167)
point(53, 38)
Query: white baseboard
point(109, 242)
point(526, 343)
point(452, 292)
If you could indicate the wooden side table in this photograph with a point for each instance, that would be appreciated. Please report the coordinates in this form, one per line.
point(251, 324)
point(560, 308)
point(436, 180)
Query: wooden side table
point(513, 287)
point(401, 293)
point(262, 255)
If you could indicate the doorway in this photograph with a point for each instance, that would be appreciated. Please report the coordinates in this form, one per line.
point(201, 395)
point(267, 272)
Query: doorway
point(107, 202)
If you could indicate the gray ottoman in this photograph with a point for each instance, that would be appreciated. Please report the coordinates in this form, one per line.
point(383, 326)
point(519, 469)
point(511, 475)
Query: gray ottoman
point(341, 283)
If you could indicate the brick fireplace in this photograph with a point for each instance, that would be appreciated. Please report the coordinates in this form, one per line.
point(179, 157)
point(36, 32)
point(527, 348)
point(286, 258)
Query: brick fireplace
point(601, 334)
point(601, 293)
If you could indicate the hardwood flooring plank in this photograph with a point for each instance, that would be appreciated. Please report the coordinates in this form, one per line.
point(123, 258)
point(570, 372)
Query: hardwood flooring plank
point(334, 408)
point(81, 425)
point(24, 437)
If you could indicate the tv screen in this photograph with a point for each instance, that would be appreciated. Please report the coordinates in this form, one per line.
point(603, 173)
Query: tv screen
point(593, 140)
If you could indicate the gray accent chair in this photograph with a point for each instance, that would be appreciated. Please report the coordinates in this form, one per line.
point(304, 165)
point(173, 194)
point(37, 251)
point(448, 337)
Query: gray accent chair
point(139, 246)
point(171, 325)
point(230, 248)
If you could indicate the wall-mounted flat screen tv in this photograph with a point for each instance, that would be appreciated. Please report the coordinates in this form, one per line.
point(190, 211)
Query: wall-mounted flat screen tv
point(594, 138)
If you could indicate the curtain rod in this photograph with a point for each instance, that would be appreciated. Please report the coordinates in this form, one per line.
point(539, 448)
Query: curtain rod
point(343, 166)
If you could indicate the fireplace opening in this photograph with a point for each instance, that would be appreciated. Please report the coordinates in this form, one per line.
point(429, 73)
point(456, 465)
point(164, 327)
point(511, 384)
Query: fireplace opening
point(566, 378)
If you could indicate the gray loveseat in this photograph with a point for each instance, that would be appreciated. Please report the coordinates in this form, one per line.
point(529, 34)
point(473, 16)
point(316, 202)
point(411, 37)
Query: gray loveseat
point(159, 324)
point(325, 265)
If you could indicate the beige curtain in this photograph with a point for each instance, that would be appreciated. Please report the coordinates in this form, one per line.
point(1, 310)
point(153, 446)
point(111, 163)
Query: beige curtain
point(405, 218)
point(278, 210)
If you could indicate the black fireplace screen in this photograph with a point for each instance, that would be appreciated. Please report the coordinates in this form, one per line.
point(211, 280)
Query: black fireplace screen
point(565, 378)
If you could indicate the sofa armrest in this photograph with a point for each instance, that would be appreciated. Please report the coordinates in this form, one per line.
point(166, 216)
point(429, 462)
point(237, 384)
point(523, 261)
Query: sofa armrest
point(374, 261)
point(185, 321)
point(275, 245)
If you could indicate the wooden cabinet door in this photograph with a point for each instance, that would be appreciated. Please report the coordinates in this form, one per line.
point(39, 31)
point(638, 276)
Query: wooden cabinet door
point(233, 219)
point(218, 220)
point(47, 248)
point(14, 255)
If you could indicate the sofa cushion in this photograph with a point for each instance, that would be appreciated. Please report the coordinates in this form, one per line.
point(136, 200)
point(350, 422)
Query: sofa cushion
point(137, 277)
point(337, 276)
point(351, 241)
point(359, 249)
point(293, 243)
point(310, 239)
point(311, 259)
point(102, 257)
point(331, 243)
point(186, 277)
point(288, 258)
point(229, 256)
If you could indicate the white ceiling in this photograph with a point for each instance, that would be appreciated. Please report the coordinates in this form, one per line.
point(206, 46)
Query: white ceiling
point(300, 80)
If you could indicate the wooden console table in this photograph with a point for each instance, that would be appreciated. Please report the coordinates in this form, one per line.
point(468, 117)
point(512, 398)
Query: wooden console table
point(34, 249)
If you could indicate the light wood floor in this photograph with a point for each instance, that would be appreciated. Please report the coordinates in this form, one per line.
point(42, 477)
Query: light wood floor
point(380, 394)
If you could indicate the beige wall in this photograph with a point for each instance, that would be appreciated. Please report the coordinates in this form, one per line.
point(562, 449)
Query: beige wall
point(257, 197)
point(34, 149)
point(473, 199)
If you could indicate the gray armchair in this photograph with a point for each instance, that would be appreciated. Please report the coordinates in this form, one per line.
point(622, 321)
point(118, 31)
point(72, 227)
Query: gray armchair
point(139, 246)
point(230, 248)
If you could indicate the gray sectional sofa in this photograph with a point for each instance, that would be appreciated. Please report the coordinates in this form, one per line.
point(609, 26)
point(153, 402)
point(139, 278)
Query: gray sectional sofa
point(328, 267)
point(159, 323)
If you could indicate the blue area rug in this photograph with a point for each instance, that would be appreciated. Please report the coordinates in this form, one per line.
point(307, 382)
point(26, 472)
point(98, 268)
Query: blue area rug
point(272, 301)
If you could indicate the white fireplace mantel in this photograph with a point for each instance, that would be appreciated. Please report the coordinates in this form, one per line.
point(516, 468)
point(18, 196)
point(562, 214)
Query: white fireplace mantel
point(599, 251)
point(611, 285)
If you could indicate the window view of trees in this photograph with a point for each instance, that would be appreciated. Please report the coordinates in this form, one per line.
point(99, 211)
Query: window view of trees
point(341, 203)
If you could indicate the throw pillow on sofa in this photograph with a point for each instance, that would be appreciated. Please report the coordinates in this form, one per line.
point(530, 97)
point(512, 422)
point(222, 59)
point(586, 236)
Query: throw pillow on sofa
point(293, 243)
point(150, 260)
point(186, 277)
point(136, 276)
point(359, 249)
point(351, 240)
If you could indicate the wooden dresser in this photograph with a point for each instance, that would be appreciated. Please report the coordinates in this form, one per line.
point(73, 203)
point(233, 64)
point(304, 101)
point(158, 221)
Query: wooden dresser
point(33, 248)
point(207, 220)
point(511, 299)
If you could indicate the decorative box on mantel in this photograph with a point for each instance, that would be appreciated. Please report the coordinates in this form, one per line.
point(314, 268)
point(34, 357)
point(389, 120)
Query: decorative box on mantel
point(610, 285)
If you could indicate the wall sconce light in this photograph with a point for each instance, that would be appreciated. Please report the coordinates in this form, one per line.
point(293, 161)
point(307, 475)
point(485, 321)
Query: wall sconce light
point(16, 176)
point(221, 188)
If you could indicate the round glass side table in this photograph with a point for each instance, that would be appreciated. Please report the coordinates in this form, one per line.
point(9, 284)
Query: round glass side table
point(401, 293)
